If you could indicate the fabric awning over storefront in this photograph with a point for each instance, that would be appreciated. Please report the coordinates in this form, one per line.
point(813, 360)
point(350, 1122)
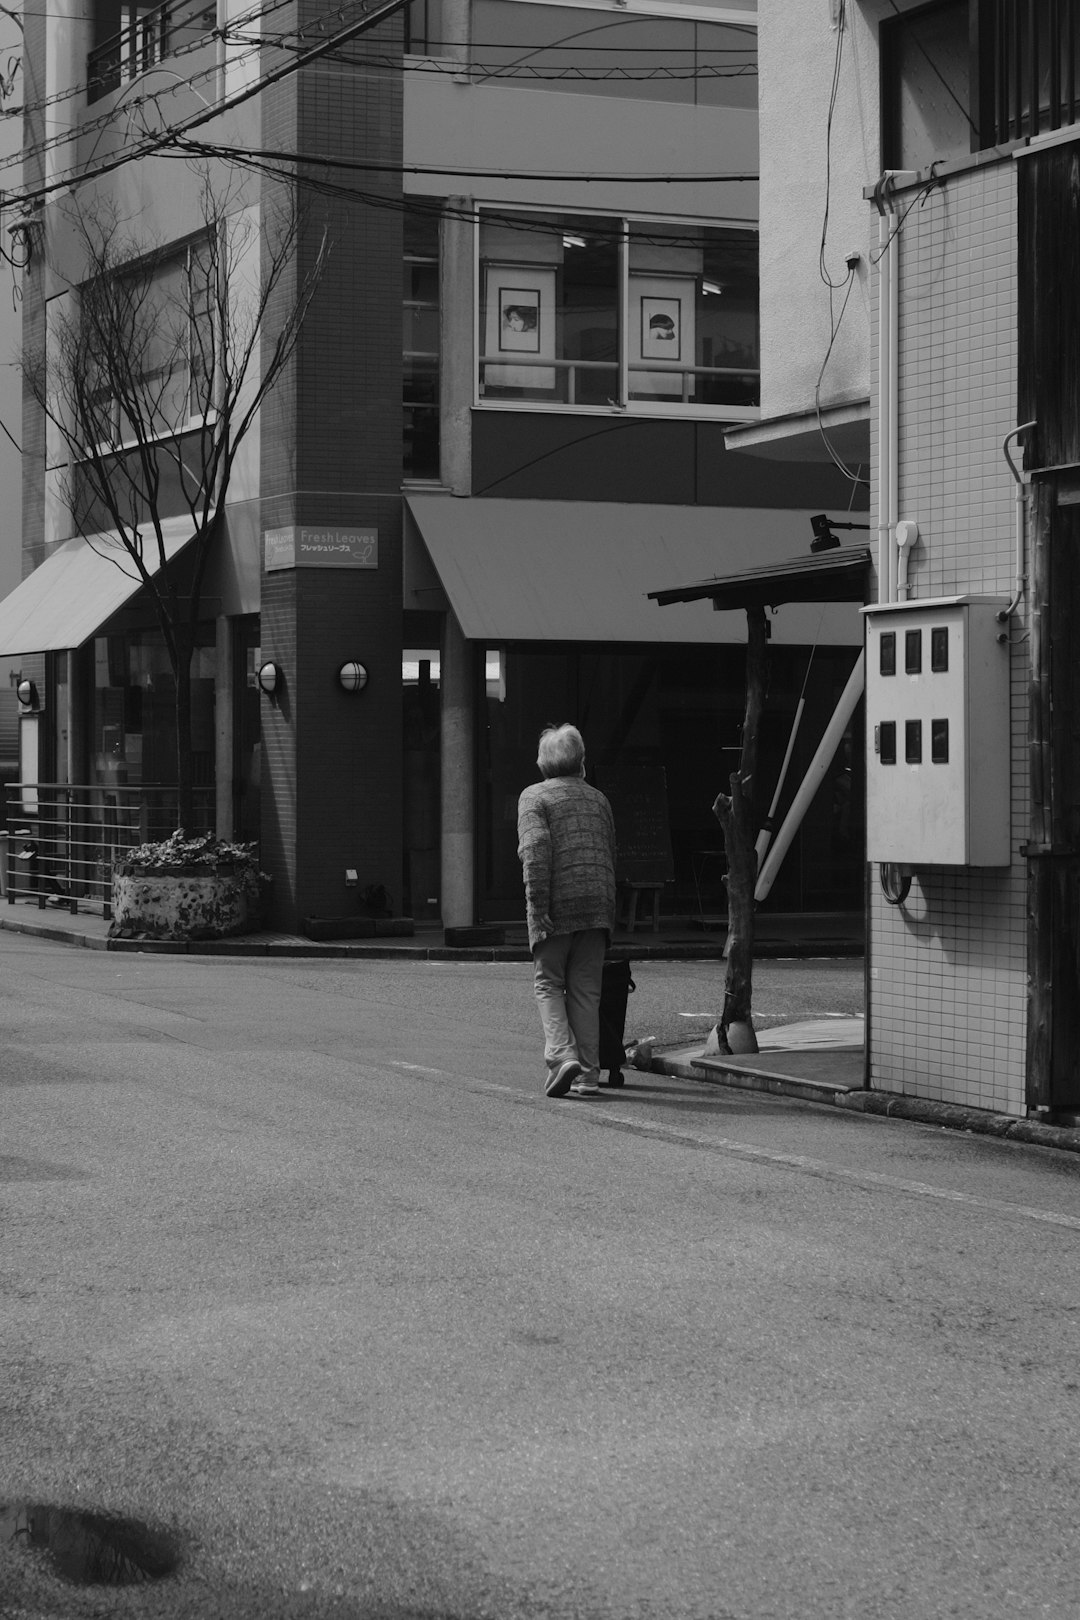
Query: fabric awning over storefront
point(533, 570)
point(71, 595)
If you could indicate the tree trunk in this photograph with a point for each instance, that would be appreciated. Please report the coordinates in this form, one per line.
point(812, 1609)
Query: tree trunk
point(738, 819)
point(185, 781)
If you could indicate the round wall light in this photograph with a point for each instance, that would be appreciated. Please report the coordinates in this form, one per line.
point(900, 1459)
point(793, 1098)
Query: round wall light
point(26, 692)
point(353, 676)
point(268, 677)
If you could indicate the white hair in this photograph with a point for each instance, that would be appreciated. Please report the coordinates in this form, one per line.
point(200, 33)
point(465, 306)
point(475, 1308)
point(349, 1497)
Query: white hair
point(562, 751)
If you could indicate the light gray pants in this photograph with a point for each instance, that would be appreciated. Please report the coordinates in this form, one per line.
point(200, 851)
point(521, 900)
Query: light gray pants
point(568, 973)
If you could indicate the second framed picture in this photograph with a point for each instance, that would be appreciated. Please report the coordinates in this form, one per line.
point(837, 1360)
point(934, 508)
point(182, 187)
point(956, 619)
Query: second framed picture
point(662, 336)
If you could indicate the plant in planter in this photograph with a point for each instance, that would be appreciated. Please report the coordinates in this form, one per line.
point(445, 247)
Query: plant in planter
point(187, 889)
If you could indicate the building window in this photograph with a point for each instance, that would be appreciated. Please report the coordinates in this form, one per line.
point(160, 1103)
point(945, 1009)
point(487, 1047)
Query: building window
point(424, 35)
point(169, 309)
point(130, 38)
point(959, 76)
point(133, 730)
point(693, 312)
point(420, 346)
point(588, 312)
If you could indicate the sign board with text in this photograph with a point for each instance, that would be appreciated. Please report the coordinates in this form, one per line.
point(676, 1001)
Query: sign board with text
point(301, 545)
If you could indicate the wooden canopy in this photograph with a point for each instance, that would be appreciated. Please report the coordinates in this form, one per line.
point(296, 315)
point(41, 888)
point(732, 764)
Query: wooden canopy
point(837, 575)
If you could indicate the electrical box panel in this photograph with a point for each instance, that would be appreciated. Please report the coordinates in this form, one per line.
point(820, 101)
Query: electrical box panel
point(937, 746)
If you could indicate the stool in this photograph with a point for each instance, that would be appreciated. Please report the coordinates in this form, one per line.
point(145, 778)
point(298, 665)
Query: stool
point(632, 892)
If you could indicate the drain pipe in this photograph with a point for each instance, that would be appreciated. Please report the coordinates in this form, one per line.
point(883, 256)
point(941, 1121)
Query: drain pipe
point(888, 393)
point(886, 301)
point(1021, 525)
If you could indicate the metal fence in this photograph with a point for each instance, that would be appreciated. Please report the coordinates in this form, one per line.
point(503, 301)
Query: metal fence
point(60, 842)
point(148, 37)
point(1030, 67)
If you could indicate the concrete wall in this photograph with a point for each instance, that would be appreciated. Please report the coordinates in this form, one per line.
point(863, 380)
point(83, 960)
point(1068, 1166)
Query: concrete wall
point(797, 50)
point(543, 131)
point(947, 1008)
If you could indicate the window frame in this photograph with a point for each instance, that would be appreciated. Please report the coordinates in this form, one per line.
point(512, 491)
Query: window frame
point(412, 478)
point(678, 410)
point(193, 422)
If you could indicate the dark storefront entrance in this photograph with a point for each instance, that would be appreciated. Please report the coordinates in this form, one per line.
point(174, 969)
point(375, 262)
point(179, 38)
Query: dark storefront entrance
point(674, 712)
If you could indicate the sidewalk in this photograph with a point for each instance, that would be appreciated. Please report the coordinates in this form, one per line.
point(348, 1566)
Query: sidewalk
point(678, 939)
point(824, 1062)
point(820, 1062)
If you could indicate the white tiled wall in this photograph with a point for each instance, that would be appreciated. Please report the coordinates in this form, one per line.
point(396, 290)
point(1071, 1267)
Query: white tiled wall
point(947, 1012)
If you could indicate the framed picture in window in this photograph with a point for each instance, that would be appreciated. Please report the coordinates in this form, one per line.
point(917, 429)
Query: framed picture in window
point(662, 336)
point(519, 320)
point(519, 323)
point(661, 329)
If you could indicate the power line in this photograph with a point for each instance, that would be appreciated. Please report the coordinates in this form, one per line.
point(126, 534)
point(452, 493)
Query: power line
point(363, 166)
point(150, 145)
point(602, 227)
point(133, 106)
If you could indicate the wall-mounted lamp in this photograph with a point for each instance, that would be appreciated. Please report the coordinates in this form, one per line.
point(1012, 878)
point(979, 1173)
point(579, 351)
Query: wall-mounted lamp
point(268, 677)
point(823, 528)
point(26, 692)
point(353, 677)
point(714, 287)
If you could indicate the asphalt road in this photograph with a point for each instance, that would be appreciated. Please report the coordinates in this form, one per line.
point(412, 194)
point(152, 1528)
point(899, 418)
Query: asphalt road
point(298, 1264)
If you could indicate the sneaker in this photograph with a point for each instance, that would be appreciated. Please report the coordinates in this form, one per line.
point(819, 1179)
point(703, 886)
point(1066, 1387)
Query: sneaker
point(585, 1087)
point(558, 1081)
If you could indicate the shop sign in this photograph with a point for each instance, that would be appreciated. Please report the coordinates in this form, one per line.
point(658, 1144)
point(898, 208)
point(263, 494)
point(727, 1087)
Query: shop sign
point(305, 546)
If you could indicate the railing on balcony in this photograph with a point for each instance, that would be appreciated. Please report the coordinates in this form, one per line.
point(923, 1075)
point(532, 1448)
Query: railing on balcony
point(61, 842)
point(148, 36)
point(735, 386)
point(1029, 55)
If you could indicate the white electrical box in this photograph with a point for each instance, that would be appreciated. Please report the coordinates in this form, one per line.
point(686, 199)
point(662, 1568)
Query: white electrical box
point(937, 744)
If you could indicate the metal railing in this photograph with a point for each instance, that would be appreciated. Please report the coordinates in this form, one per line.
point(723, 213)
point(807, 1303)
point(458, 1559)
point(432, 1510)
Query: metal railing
point(148, 38)
point(60, 842)
point(684, 378)
point(1029, 68)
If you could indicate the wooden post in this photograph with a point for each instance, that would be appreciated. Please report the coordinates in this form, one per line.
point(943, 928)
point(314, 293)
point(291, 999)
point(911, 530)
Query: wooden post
point(736, 815)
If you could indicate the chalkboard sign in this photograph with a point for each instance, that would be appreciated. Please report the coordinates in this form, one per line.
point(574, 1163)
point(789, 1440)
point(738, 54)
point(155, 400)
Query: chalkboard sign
point(636, 786)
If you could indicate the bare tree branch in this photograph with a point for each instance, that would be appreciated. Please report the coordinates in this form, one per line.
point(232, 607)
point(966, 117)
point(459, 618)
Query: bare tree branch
point(153, 376)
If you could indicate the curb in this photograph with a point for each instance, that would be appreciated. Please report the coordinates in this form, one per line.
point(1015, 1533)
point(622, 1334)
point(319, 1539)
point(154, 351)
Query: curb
point(270, 945)
point(888, 1104)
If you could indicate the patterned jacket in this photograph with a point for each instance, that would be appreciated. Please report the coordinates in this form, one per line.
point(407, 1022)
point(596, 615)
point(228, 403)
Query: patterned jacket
point(566, 845)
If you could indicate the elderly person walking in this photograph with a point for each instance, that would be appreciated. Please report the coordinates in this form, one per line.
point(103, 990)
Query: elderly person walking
point(566, 845)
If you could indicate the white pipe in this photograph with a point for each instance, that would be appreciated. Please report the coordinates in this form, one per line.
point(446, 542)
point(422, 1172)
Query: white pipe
point(765, 835)
point(888, 378)
point(885, 279)
point(894, 406)
point(1021, 546)
point(820, 763)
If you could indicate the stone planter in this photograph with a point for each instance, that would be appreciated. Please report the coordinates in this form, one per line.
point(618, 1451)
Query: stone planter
point(184, 903)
